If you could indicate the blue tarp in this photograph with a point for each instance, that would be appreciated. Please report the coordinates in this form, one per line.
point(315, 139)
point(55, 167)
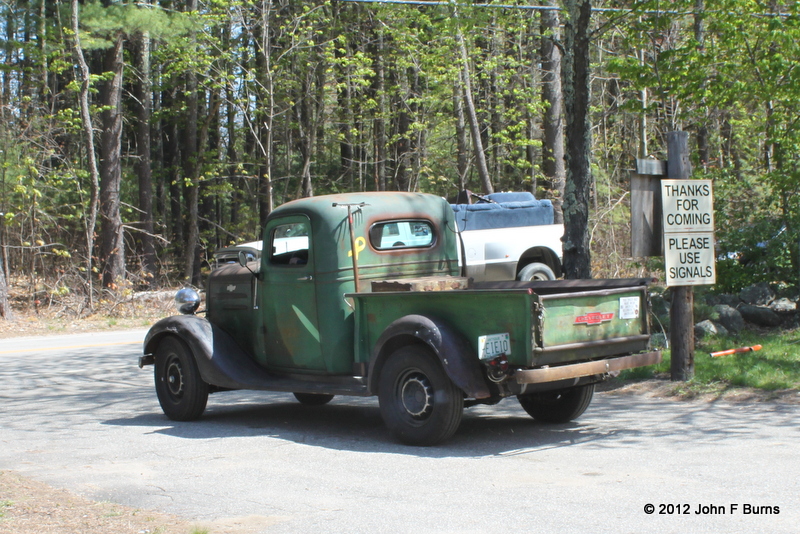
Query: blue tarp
point(509, 210)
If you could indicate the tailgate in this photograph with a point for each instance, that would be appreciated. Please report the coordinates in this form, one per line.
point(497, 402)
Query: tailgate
point(591, 324)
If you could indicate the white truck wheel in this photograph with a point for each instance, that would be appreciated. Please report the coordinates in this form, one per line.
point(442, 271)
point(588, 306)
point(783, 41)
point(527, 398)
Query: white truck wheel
point(535, 272)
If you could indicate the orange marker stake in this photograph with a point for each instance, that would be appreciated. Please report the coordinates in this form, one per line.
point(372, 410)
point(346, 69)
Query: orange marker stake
point(734, 351)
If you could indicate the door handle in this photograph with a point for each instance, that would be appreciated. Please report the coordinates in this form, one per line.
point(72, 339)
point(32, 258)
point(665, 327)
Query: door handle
point(306, 278)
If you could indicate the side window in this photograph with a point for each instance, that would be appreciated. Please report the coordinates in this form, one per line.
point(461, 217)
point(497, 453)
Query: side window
point(289, 244)
point(401, 234)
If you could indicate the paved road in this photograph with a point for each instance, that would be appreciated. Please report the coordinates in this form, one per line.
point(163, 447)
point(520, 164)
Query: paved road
point(77, 413)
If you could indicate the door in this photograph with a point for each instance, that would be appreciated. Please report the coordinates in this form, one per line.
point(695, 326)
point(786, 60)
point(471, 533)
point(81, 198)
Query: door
point(289, 301)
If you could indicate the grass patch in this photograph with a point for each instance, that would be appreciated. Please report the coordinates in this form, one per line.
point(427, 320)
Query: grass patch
point(3, 506)
point(775, 367)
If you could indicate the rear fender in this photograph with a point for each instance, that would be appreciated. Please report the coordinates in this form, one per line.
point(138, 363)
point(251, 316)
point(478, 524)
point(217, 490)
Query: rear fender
point(457, 357)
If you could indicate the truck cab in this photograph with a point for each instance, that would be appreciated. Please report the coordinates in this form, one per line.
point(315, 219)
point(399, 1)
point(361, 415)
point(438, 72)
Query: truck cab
point(290, 311)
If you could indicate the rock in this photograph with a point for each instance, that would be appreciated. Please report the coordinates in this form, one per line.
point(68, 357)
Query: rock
point(709, 328)
point(783, 306)
point(729, 317)
point(758, 294)
point(727, 299)
point(760, 315)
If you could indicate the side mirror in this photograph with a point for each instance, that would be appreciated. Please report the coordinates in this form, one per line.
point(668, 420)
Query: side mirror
point(243, 258)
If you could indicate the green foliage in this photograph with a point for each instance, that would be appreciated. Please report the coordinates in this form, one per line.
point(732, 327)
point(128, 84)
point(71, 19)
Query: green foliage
point(756, 237)
point(363, 96)
point(775, 367)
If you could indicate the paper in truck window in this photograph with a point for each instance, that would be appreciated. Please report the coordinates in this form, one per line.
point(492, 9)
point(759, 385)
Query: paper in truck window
point(629, 308)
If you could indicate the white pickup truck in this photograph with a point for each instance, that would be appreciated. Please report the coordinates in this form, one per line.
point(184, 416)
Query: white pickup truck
point(502, 236)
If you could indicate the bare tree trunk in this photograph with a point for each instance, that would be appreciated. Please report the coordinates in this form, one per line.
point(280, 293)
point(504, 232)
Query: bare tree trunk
point(5, 309)
point(553, 165)
point(144, 96)
point(577, 98)
point(191, 171)
point(307, 131)
point(266, 96)
point(172, 164)
point(380, 121)
point(400, 129)
point(86, 119)
point(112, 248)
point(702, 127)
point(475, 131)
point(462, 143)
point(5, 96)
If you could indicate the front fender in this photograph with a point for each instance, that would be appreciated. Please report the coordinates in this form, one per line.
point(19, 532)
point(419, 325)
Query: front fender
point(458, 359)
point(221, 361)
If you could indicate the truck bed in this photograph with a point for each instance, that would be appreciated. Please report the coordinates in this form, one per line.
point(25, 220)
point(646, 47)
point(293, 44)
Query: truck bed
point(548, 323)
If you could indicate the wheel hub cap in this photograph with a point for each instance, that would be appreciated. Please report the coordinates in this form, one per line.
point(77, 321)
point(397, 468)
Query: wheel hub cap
point(417, 396)
point(175, 379)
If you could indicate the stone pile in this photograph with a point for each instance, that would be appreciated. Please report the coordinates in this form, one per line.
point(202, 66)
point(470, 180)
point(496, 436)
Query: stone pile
point(757, 305)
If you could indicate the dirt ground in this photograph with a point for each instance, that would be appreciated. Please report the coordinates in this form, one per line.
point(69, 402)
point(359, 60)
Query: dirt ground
point(31, 507)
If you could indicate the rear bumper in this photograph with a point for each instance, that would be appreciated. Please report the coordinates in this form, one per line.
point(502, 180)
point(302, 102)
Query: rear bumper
point(577, 370)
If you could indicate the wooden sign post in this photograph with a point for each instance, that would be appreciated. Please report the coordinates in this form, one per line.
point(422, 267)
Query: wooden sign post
point(681, 315)
point(674, 217)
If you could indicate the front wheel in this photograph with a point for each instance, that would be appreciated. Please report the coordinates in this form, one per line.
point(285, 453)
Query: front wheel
point(557, 406)
point(534, 272)
point(419, 403)
point(180, 389)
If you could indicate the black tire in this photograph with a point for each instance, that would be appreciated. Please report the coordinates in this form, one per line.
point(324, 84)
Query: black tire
point(181, 391)
point(313, 399)
point(419, 403)
point(557, 406)
point(536, 272)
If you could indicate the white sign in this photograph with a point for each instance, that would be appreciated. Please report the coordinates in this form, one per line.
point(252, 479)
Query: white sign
point(688, 205)
point(629, 307)
point(689, 259)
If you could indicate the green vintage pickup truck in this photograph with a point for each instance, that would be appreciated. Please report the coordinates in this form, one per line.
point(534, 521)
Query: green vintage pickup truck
point(360, 294)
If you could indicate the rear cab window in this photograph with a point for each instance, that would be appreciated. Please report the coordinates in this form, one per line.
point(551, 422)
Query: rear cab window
point(392, 235)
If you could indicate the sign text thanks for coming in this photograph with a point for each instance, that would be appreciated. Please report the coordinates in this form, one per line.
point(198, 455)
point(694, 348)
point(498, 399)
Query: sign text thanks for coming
point(688, 208)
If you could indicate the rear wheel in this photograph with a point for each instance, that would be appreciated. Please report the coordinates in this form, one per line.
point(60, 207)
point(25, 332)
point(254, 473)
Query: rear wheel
point(180, 389)
point(313, 399)
point(557, 406)
point(536, 272)
point(419, 403)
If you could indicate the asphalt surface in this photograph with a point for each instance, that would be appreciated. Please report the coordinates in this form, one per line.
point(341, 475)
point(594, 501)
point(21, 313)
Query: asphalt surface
point(76, 412)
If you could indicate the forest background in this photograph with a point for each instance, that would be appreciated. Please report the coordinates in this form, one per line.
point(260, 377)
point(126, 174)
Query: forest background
point(138, 137)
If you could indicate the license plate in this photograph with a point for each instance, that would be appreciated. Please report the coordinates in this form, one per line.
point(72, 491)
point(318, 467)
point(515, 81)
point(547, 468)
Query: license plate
point(494, 345)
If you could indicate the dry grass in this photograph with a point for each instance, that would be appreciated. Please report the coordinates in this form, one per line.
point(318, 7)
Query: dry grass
point(30, 507)
point(70, 314)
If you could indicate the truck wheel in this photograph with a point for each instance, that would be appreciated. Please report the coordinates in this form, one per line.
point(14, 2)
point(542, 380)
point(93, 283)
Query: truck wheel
point(313, 399)
point(536, 272)
point(557, 406)
point(181, 391)
point(419, 403)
